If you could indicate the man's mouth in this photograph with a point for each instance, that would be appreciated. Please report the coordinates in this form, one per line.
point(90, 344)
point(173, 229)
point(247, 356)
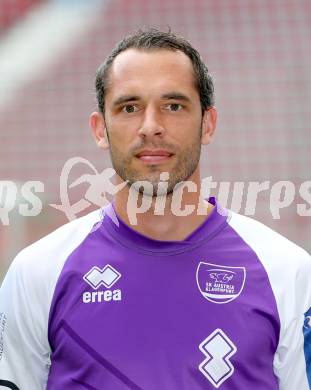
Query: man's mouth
point(154, 156)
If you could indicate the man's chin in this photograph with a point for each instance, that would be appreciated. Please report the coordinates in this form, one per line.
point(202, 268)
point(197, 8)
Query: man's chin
point(144, 187)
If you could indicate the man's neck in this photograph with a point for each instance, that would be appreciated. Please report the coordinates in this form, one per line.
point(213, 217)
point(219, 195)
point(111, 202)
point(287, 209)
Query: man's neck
point(165, 223)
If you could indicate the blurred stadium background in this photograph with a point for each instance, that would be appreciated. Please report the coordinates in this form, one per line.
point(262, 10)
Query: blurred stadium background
point(258, 52)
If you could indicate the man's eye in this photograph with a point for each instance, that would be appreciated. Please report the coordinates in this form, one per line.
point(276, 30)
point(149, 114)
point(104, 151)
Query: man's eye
point(174, 107)
point(129, 108)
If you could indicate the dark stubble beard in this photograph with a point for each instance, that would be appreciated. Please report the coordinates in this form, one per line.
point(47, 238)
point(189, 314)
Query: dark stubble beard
point(186, 162)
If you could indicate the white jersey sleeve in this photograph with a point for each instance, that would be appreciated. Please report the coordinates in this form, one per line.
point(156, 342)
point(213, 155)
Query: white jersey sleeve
point(25, 298)
point(24, 362)
point(289, 271)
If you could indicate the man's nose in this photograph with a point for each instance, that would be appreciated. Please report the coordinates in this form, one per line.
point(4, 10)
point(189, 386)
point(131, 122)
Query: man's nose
point(152, 123)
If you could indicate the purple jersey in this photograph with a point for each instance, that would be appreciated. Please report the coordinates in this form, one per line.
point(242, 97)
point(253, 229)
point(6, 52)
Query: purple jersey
point(97, 305)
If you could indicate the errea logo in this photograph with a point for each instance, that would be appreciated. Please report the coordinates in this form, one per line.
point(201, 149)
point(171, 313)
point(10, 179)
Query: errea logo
point(96, 278)
point(106, 276)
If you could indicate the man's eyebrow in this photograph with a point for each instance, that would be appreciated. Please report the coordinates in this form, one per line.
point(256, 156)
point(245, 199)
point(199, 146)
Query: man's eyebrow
point(125, 98)
point(169, 95)
point(176, 96)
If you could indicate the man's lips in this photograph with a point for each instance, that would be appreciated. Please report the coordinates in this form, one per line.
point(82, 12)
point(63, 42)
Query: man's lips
point(154, 156)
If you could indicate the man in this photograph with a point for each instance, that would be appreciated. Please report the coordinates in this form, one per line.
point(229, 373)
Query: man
point(190, 296)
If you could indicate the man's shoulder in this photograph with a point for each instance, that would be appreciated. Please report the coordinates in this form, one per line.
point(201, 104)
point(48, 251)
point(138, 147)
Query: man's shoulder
point(51, 251)
point(268, 243)
point(287, 265)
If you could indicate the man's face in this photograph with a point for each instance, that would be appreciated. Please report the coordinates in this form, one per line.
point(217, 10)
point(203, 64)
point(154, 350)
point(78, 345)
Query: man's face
point(153, 117)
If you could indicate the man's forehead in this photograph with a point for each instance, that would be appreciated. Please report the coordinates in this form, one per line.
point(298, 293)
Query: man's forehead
point(159, 68)
point(150, 59)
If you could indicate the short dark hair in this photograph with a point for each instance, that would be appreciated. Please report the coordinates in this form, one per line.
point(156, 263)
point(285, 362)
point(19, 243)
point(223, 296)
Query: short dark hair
point(151, 39)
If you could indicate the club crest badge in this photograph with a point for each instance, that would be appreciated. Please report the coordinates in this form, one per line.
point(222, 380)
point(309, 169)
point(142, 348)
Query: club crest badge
point(220, 284)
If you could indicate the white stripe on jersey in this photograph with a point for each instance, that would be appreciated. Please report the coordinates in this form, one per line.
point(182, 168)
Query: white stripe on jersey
point(25, 302)
point(289, 270)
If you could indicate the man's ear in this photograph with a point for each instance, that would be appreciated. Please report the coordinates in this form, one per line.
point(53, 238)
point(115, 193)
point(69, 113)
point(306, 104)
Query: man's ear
point(209, 121)
point(98, 127)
